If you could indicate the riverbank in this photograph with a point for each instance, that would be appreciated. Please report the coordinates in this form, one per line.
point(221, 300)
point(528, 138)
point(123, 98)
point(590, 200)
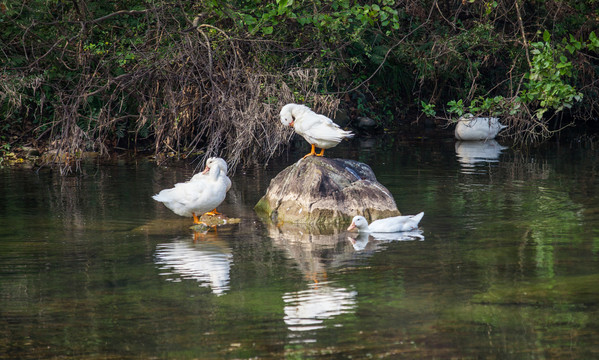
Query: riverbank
point(29, 153)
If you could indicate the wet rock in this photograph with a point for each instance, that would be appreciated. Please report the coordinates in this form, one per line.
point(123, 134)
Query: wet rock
point(29, 151)
point(366, 123)
point(55, 156)
point(210, 221)
point(342, 117)
point(323, 191)
point(179, 224)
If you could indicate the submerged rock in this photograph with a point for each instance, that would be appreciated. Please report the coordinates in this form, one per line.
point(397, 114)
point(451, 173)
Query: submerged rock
point(318, 190)
point(178, 224)
point(210, 221)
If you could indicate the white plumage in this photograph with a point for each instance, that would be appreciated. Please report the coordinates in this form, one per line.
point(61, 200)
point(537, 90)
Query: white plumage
point(472, 128)
point(201, 194)
point(224, 168)
point(387, 225)
point(318, 130)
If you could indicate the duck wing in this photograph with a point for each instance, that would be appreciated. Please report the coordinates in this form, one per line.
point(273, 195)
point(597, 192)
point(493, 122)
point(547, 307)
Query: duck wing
point(396, 224)
point(315, 127)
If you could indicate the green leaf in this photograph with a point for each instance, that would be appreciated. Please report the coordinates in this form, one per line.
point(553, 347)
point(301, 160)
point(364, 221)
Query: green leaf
point(546, 36)
point(249, 20)
point(267, 30)
point(594, 41)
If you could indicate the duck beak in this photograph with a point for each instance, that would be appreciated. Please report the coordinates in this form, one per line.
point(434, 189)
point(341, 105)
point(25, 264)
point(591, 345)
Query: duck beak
point(351, 227)
point(206, 170)
point(292, 123)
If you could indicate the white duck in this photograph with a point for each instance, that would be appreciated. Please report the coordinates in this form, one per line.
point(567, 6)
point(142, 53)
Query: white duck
point(198, 196)
point(387, 225)
point(471, 128)
point(318, 130)
point(223, 176)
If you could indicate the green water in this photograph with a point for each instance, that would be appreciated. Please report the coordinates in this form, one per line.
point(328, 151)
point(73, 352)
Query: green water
point(506, 265)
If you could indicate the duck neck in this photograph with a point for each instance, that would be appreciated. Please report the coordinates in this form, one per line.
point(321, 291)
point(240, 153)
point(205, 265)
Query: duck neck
point(214, 172)
point(364, 229)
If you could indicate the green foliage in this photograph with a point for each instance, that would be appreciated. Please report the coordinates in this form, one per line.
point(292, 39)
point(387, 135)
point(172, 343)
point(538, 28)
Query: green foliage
point(456, 107)
point(329, 21)
point(429, 109)
point(547, 78)
point(547, 84)
point(85, 71)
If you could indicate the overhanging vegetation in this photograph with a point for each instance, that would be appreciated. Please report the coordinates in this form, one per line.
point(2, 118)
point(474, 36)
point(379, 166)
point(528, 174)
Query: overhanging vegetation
point(176, 77)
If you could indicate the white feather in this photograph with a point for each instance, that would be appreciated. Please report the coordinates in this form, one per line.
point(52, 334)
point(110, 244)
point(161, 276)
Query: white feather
point(387, 225)
point(477, 128)
point(203, 193)
point(317, 129)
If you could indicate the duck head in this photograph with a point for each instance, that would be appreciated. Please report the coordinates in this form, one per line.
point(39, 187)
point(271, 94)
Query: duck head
point(286, 116)
point(213, 167)
point(360, 223)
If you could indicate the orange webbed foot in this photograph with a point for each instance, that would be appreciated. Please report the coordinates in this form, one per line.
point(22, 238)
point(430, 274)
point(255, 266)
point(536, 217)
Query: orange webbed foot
point(196, 220)
point(212, 213)
point(312, 152)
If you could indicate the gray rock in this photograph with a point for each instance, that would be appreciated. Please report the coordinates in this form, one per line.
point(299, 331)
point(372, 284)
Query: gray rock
point(323, 191)
point(342, 117)
point(366, 123)
point(30, 151)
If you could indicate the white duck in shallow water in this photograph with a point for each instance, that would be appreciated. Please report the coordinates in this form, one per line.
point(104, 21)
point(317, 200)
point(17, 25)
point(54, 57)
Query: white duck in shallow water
point(199, 195)
point(387, 225)
point(223, 176)
point(474, 128)
point(318, 130)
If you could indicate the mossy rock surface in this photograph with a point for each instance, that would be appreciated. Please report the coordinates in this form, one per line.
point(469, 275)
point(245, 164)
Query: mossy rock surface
point(323, 191)
point(214, 221)
point(176, 225)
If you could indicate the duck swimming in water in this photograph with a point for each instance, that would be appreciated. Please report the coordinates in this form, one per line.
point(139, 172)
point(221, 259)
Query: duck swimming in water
point(387, 225)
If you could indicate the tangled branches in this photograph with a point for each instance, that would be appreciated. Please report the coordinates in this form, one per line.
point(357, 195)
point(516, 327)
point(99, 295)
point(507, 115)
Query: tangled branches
point(171, 90)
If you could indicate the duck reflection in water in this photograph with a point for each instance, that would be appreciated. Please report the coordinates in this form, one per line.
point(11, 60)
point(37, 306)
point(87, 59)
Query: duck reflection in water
point(207, 262)
point(470, 153)
point(374, 241)
point(316, 252)
point(308, 309)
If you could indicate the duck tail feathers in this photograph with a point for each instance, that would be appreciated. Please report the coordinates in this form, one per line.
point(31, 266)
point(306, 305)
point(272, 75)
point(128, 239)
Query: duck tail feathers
point(418, 217)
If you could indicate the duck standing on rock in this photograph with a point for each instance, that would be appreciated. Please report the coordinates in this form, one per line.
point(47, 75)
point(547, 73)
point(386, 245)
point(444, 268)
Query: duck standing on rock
point(199, 195)
point(387, 225)
point(318, 130)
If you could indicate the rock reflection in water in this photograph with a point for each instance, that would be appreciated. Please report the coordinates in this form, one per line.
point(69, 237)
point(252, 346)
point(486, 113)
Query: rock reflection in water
point(315, 251)
point(207, 262)
point(307, 309)
point(471, 153)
